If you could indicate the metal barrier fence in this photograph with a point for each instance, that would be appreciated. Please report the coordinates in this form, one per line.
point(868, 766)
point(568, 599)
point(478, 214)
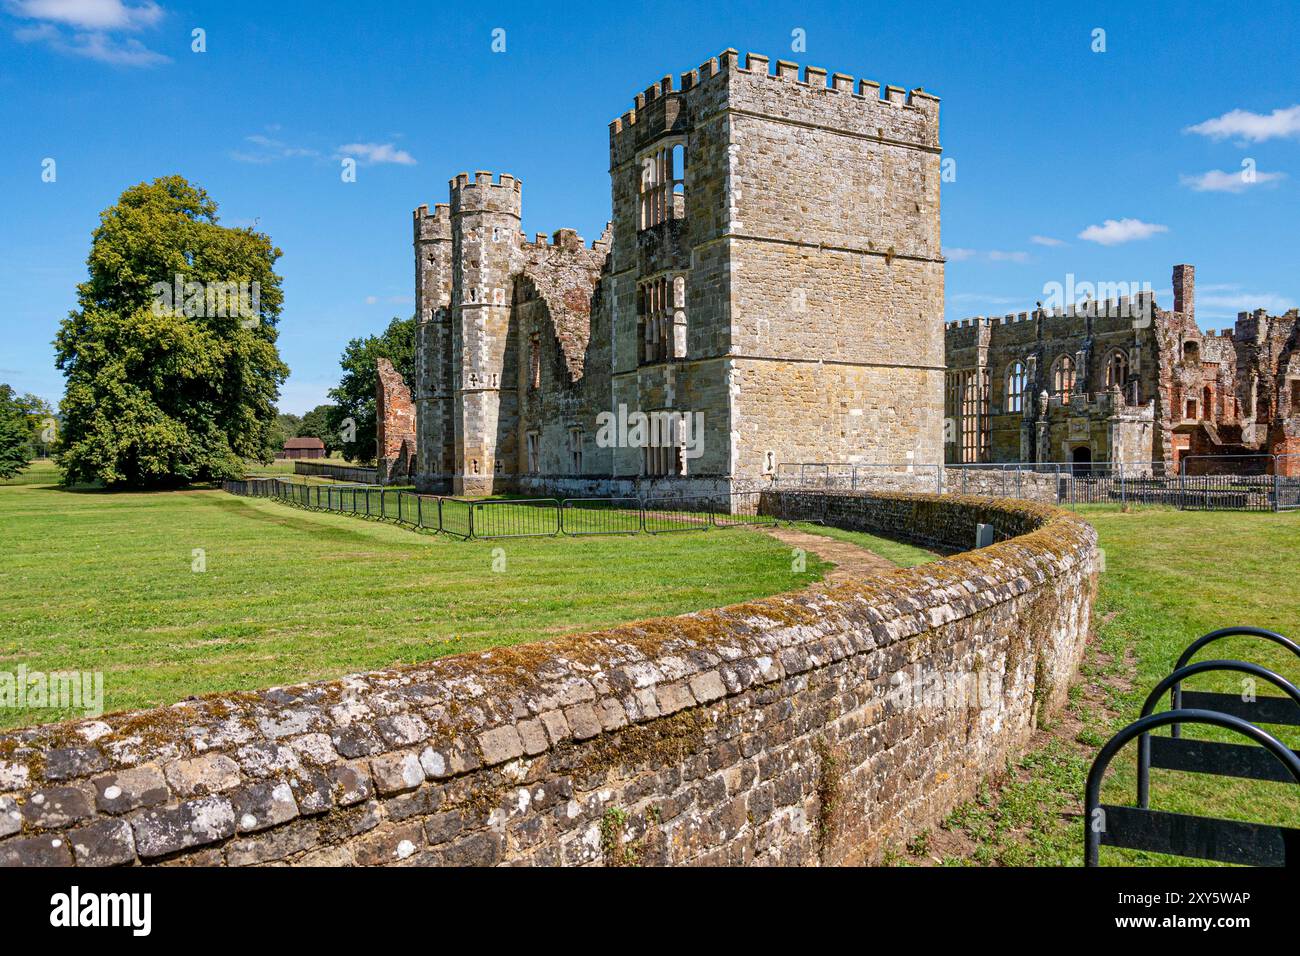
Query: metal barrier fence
point(858, 476)
point(518, 517)
point(321, 469)
point(1203, 483)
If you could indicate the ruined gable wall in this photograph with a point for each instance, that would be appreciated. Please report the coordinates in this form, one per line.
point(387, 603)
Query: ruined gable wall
point(554, 302)
point(395, 438)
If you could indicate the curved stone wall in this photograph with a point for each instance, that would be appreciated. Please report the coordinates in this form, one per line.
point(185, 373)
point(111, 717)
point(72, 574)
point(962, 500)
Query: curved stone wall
point(817, 726)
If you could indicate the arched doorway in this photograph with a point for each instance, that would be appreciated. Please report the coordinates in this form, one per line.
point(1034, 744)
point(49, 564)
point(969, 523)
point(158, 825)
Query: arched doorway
point(1082, 458)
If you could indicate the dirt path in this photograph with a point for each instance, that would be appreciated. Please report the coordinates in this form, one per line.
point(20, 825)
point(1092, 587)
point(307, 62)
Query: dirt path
point(850, 559)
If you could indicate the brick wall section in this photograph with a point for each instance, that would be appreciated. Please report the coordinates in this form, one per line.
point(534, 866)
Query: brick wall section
point(394, 425)
point(760, 733)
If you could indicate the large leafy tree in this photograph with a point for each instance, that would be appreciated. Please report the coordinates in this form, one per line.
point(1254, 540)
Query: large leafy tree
point(15, 434)
point(164, 390)
point(355, 395)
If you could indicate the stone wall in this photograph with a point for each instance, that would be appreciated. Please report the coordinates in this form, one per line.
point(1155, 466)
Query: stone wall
point(394, 426)
point(822, 726)
point(998, 483)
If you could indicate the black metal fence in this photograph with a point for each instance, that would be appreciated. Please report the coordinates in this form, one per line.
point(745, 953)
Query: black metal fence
point(324, 469)
point(518, 517)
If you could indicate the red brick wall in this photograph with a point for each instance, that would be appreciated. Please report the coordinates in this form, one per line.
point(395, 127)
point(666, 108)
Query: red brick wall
point(394, 426)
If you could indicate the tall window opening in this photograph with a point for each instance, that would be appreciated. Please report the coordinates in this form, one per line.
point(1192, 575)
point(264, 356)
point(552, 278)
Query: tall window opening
point(575, 451)
point(662, 454)
point(1063, 378)
point(1017, 382)
point(663, 185)
point(1117, 369)
point(534, 445)
point(661, 319)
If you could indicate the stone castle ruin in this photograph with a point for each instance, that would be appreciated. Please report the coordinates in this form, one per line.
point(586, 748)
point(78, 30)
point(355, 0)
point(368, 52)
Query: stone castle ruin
point(769, 288)
point(1124, 381)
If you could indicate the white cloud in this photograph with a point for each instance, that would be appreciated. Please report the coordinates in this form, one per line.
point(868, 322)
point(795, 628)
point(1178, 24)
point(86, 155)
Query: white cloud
point(982, 297)
point(377, 153)
point(1218, 181)
point(1115, 231)
point(389, 299)
point(993, 255)
point(1046, 241)
point(265, 149)
point(1227, 306)
point(89, 14)
point(1254, 127)
point(84, 28)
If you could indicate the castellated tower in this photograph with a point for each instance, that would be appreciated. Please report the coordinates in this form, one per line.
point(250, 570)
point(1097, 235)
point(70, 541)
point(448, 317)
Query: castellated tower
point(485, 255)
point(433, 388)
point(777, 268)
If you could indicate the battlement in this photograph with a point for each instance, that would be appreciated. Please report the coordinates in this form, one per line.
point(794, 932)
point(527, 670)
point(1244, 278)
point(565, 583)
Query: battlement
point(435, 226)
point(1125, 307)
point(756, 67)
point(566, 239)
point(486, 193)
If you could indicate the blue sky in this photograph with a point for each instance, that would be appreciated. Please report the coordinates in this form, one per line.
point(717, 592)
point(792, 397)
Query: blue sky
point(1051, 139)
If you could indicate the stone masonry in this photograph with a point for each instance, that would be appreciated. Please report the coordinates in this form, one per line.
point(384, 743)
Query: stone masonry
point(771, 277)
point(1125, 381)
point(395, 426)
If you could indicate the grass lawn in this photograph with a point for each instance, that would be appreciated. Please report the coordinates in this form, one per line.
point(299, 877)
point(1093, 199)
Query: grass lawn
point(104, 581)
point(1170, 577)
point(902, 554)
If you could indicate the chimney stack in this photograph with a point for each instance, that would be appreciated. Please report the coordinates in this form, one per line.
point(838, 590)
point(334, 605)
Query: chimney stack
point(1185, 290)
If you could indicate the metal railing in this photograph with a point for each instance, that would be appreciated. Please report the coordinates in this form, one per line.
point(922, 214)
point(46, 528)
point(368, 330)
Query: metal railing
point(1271, 482)
point(518, 517)
point(321, 469)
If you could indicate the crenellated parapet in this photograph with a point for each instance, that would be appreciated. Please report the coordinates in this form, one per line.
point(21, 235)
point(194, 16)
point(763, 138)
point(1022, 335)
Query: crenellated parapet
point(854, 103)
point(485, 193)
point(432, 226)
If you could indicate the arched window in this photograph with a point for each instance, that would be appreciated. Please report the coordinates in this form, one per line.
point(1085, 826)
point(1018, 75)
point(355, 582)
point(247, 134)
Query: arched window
point(1117, 369)
point(1063, 378)
point(1017, 382)
point(1191, 352)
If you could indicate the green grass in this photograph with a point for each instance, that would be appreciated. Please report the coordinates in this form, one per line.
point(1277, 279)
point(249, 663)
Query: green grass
point(1170, 577)
point(102, 581)
point(900, 553)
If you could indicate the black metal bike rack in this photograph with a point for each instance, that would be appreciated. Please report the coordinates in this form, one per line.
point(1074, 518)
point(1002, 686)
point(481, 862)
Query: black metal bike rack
point(1267, 710)
point(1207, 756)
point(1225, 841)
point(1205, 838)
